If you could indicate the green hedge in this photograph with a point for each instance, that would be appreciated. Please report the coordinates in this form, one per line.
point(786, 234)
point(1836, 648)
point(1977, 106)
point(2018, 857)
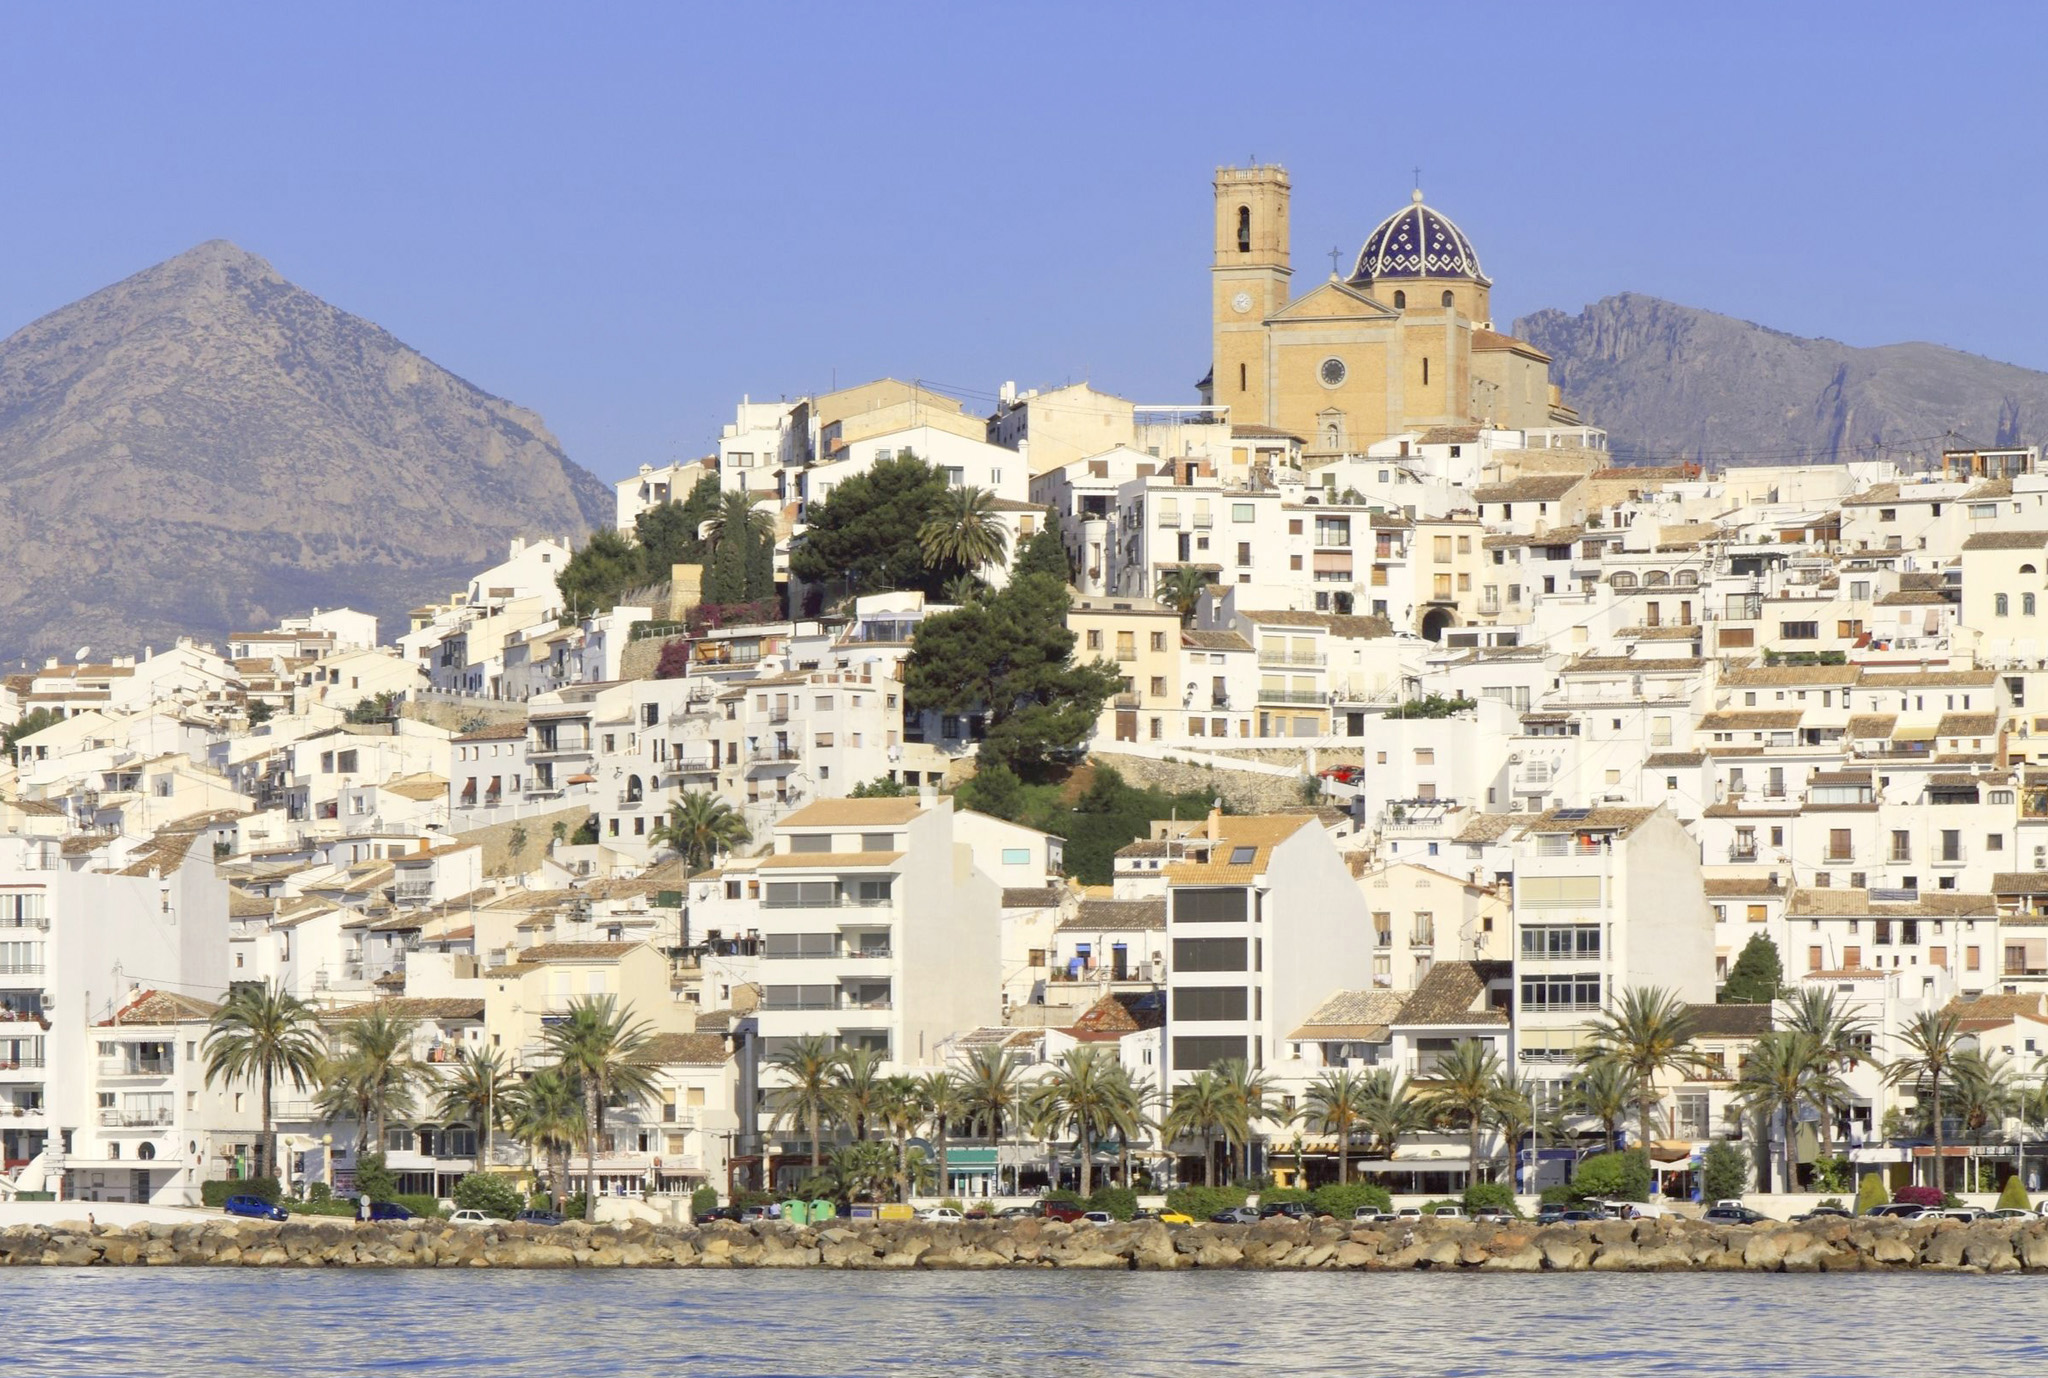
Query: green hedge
point(217, 1193)
point(425, 1207)
point(483, 1191)
point(344, 1209)
point(1344, 1201)
point(1203, 1202)
point(1491, 1196)
point(1612, 1177)
point(1871, 1192)
point(703, 1199)
point(1120, 1202)
point(1283, 1196)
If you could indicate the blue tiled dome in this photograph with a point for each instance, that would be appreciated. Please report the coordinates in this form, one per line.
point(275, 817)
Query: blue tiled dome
point(1417, 242)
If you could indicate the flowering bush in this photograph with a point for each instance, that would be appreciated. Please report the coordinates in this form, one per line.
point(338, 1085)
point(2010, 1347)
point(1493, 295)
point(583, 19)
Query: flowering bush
point(1931, 1197)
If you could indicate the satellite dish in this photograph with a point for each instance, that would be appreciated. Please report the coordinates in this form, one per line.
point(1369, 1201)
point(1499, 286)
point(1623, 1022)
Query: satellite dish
point(81, 653)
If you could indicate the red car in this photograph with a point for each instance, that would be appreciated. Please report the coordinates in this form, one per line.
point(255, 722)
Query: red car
point(1061, 1210)
point(1345, 775)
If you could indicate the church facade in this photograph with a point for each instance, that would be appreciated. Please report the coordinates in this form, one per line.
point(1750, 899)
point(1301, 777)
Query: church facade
point(1405, 343)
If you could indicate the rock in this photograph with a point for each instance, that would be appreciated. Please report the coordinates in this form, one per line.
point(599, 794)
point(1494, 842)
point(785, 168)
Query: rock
point(1526, 1259)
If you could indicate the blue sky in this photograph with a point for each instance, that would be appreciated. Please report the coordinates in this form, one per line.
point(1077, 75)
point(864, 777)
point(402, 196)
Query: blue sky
point(626, 216)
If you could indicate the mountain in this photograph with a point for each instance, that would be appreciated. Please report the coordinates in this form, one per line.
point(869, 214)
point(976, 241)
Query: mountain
point(205, 447)
point(1671, 381)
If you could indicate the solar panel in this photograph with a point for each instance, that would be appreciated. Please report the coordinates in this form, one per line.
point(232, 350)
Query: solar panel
point(1572, 815)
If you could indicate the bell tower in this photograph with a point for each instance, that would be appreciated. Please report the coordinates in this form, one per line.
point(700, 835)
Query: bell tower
point(1249, 284)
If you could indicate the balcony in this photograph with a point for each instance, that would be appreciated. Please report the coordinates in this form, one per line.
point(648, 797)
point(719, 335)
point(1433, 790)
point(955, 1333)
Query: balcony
point(136, 1067)
point(843, 901)
point(770, 753)
point(135, 1119)
point(21, 968)
point(1311, 660)
point(1836, 858)
point(1310, 698)
point(41, 925)
point(414, 889)
point(28, 1065)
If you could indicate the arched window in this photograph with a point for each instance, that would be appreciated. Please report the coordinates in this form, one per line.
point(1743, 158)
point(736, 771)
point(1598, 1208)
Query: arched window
point(1656, 579)
point(2027, 604)
point(2028, 569)
point(1449, 300)
point(1244, 229)
point(2000, 604)
point(1400, 301)
point(146, 1151)
point(632, 789)
point(1624, 580)
point(1688, 579)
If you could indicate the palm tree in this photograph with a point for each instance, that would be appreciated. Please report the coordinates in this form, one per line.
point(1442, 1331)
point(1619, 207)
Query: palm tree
point(963, 532)
point(1987, 1092)
point(479, 1089)
point(992, 1093)
point(962, 589)
point(1841, 1037)
point(810, 1064)
point(375, 1068)
point(857, 1093)
point(1783, 1071)
point(1649, 1033)
point(1392, 1111)
point(602, 1046)
point(944, 1101)
point(1182, 586)
point(862, 1168)
point(699, 826)
point(900, 1112)
point(545, 1115)
point(265, 1035)
point(1602, 1091)
point(1249, 1089)
point(1085, 1092)
point(1336, 1104)
point(737, 515)
point(1933, 1042)
point(1514, 1114)
point(1463, 1087)
point(1201, 1109)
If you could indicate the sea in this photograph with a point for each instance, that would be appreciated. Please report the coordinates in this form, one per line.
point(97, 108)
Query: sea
point(57, 1323)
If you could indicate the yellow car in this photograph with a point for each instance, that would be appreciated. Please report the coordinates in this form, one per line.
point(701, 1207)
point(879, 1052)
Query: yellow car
point(1174, 1218)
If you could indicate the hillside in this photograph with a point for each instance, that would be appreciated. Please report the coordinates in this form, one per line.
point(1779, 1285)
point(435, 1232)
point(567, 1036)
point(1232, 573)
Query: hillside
point(1673, 381)
point(205, 447)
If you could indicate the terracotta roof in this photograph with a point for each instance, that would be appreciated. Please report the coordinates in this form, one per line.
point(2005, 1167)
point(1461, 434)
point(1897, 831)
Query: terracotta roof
point(1448, 994)
point(1361, 1015)
point(1639, 665)
point(1674, 760)
point(1966, 725)
point(162, 1007)
point(1484, 339)
point(162, 856)
point(1781, 676)
point(1260, 832)
point(1213, 641)
point(1912, 598)
point(1103, 915)
point(1122, 1013)
point(685, 1049)
point(2007, 540)
point(243, 905)
point(1927, 679)
point(2020, 883)
point(575, 952)
point(1487, 827)
point(853, 813)
point(1459, 435)
point(1530, 488)
point(1606, 818)
point(1870, 726)
point(1737, 887)
point(414, 1007)
point(1846, 903)
point(1731, 1021)
point(1751, 720)
point(1148, 846)
point(423, 788)
point(1990, 1010)
point(1031, 896)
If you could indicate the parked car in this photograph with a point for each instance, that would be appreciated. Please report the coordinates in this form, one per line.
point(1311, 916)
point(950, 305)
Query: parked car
point(1016, 1212)
point(469, 1217)
point(550, 1218)
point(1897, 1210)
point(1061, 1210)
point(1827, 1213)
point(1293, 1210)
point(1579, 1215)
point(1491, 1213)
point(1174, 1217)
point(945, 1214)
point(1449, 1212)
point(1409, 1213)
point(731, 1213)
point(1097, 1218)
point(1550, 1214)
point(2008, 1213)
point(253, 1208)
point(390, 1210)
point(1345, 775)
point(749, 1214)
point(1236, 1215)
point(1373, 1215)
point(1966, 1214)
point(1734, 1215)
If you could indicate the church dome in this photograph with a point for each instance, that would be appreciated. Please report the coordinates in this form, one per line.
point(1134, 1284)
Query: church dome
point(1417, 242)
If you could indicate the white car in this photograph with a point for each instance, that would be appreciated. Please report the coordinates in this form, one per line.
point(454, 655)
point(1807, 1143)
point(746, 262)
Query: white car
point(473, 1218)
point(1098, 1218)
point(1450, 1213)
point(943, 1214)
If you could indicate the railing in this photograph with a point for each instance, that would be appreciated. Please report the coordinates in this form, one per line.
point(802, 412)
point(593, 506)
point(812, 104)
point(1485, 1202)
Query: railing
point(21, 968)
point(41, 924)
point(1569, 846)
point(414, 889)
point(1308, 697)
point(135, 1119)
point(1303, 658)
point(20, 1064)
point(771, 752)
point(1422, 937)
point(139, 1067)
point(1132, 971)
point(843, 902)
point(1832, 856)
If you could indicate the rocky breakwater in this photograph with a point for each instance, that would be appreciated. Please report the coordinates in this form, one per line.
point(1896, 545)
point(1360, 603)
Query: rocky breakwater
point(1608, 1246)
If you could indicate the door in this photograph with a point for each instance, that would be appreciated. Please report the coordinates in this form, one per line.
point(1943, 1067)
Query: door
point(1127, 724)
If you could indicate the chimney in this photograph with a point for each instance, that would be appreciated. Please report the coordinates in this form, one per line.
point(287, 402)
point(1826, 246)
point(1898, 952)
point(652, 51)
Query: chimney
point(927, 796)
point(1215, 824)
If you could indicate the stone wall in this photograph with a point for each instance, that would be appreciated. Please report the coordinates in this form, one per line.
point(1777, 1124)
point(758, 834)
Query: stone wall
point(639, 658)
point(1428, 1245)
point(497, 839)
point(1245, 791)
point(459, 714)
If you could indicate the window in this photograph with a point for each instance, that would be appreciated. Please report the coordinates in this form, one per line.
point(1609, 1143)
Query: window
point(1561, 940)
point(1244, 553)
point(2000, 604)
point(1400, 301)
point(1016, 856)
point(1243, 856)
point(1209, 906)
point(1210, 1003)
point(1425, 756)
point(1204, 1052)
point(1243, 511)
point(1448, 300)
point(1159, 641)
point(1209, 954)
point(878, 842)
point(1799, 631)
point(1580, 991)
point(1244, 229)
point(1095, 639)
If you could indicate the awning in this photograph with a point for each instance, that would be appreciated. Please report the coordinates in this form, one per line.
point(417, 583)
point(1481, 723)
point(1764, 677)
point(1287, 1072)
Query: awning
point(1913, 734)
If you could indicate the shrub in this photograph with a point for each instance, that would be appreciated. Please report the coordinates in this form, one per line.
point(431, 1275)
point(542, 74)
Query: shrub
point(2015, 1195)
point(1723, 1173)
point(1830, 1173)
point(1440, 1203)
point(1832, 1203)
point(1283, 1196)
point(1612, 1177)
point(1870, 1192)
point(1344, 1201)
point(1490, 1196)
point(486, 1192)
point(1559, 1195)
point(952, 1203)
point(345, 1210)
point(1931, 1197)
point(703, 1199)
point(319, 1192)
point(1203, 1202)
point(215, 1193)
point(425, 1207)
point(1061, 1196)
point(1120, 1202)
point(373, 1179)
point(572, 1209)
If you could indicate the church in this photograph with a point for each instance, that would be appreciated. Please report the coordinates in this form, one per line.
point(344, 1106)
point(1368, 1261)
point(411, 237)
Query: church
point(1406, 343)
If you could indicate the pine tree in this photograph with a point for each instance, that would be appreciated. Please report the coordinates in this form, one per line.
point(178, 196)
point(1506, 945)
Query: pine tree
point(1757, 976)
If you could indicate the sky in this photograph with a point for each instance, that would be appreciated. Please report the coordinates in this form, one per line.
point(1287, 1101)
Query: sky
point(627, 216)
